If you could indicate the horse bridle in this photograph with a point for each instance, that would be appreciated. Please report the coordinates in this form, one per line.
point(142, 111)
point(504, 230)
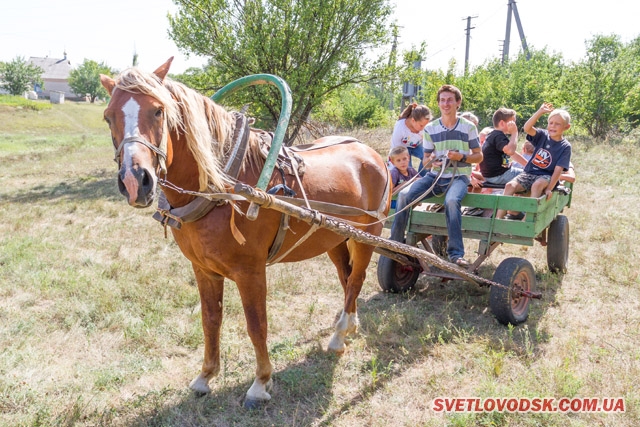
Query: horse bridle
point(162, 156)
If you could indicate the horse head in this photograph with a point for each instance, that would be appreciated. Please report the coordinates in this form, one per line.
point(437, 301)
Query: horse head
point(139, 130)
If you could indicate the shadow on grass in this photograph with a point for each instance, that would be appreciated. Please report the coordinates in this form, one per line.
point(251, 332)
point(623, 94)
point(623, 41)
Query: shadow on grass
point(99, 185)
point(393, 326)
point(301, 393)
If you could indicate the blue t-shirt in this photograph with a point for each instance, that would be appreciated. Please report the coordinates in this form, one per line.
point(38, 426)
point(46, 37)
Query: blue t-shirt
point(397, 178)
point(547, 154)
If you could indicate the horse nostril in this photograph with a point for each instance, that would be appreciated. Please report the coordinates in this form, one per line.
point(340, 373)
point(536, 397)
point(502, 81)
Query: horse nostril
point(145, 178)
point(121, 187)
point(147, 181)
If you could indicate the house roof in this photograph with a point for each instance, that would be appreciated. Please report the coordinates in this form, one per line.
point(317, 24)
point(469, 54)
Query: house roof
point(52, 68)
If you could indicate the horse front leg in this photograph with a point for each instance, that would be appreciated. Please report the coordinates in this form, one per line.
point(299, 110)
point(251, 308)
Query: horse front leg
point(211, 289)
point(253, 293)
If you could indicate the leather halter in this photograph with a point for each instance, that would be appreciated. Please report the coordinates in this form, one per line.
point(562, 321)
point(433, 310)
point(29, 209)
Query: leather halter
point(160, 152)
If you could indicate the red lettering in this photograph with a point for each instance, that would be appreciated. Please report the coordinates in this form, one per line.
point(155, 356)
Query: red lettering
point(576, 405)
point(437, 404)
point(512, 405)
point(459, 405)
point(524, 405)
point(501, 403)
point(563, 405)
point(489, 405)
point(590, 405)
point(477, 407)
point(449, 404)
point(547, 405)
point(535, 405)
point(619, 406)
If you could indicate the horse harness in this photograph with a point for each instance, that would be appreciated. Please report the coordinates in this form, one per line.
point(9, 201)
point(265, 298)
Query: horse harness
point(288, 163)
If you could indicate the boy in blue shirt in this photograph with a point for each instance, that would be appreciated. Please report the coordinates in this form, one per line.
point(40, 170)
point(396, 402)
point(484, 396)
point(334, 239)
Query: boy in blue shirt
point(552, 155)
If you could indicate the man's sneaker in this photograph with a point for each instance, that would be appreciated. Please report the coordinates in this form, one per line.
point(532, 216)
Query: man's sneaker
point(461, 262)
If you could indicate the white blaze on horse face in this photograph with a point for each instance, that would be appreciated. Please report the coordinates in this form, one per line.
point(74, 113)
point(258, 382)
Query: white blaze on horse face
point(131, 110)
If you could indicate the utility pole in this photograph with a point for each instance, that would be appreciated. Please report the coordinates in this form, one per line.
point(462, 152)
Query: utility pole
point(392, 61)
point(513, 10)
point(466, 53)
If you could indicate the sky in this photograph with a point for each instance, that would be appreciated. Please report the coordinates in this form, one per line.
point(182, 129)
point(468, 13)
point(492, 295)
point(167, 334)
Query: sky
point(112, 31)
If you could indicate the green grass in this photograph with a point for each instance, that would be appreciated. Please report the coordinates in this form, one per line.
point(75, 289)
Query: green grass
point(100, 318)
point(20, 102)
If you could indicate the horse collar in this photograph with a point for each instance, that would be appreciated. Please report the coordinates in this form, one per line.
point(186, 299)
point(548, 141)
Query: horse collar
point(240, 142)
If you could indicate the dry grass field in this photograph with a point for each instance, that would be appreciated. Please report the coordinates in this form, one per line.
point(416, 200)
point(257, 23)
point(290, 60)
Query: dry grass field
point(100, 320)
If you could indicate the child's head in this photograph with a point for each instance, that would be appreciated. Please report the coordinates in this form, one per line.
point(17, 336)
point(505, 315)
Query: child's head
point(471, 117)
point(559, 122)
point(502, 116)
point(528, 148)
point(399, 157)
point(417, 116)
point(484, 133)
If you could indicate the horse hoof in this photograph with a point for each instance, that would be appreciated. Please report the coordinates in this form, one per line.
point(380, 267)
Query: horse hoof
point(254, 404)
point(200, 387)
point(337, 346)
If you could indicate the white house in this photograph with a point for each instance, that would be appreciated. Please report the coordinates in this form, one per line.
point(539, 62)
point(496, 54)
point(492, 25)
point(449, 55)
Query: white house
point(55, 76)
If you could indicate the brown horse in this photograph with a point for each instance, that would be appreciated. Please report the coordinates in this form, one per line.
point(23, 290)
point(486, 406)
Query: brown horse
point(162, 131)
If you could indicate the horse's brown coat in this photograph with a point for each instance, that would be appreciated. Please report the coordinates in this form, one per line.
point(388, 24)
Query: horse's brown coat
point(347, 174)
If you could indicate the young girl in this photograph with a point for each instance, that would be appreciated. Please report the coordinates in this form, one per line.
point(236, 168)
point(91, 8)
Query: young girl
point(409, 130)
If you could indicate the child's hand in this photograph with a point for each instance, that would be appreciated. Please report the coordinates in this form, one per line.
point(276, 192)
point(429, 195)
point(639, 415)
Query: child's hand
point(546, 108)
point(548, 192)
point(512, 128)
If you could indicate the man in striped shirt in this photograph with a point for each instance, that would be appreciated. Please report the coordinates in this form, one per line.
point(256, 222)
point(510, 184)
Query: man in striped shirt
point(452, 143)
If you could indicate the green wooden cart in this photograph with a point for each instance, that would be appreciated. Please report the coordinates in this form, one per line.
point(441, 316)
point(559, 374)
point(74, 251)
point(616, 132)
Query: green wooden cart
point(509, 302)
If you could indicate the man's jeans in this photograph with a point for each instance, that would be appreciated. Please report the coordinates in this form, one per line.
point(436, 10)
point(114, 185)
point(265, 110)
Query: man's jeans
point(453, 211)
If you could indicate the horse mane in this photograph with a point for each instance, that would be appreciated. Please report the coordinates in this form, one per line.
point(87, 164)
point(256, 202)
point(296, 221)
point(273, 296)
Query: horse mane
point(207, 126)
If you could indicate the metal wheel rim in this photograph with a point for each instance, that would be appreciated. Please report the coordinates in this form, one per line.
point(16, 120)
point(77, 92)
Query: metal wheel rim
point(520, 302)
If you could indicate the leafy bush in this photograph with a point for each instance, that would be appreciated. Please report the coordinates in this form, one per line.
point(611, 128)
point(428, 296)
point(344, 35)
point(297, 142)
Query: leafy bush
point(354, 107)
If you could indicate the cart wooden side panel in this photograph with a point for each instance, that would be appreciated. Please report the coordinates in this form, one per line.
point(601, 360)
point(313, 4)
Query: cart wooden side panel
point(539, 214)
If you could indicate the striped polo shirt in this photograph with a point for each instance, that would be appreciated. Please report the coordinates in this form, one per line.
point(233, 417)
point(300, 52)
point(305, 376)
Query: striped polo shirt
point(463, 137)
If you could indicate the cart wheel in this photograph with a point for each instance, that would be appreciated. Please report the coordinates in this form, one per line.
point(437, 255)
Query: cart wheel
point(439, 244)
point(558, 244)
point(396, 277)
point(515, 274)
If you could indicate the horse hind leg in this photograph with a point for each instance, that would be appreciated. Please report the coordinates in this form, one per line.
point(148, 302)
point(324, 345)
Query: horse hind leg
point(351, 260)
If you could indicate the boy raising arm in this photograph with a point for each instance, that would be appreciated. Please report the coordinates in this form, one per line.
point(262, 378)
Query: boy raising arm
point(551, 157)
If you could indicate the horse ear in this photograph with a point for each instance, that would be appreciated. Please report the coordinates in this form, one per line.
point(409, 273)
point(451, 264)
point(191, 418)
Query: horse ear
point(162, 70)
point(108, 83)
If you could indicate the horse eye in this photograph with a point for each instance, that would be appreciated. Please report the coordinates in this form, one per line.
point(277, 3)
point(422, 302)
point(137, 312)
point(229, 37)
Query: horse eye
point(108, 121)
point(159, 113)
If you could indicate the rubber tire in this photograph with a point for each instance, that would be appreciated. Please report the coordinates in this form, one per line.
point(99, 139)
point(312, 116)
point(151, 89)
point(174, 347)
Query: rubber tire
point(558, 245)
point(439, 244)
point(512, 272)
point(395, 277)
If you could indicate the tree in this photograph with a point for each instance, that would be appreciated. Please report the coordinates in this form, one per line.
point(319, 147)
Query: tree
point(599, 86)
point(86, 79)
point(18, 76)
point(316, 47)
